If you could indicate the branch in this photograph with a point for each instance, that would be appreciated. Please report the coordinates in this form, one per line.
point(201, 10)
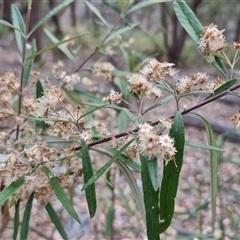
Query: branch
point(226, 92)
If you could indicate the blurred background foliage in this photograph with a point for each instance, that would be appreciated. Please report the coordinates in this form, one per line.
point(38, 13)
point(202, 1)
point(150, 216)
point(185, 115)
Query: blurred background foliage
point(158, 33)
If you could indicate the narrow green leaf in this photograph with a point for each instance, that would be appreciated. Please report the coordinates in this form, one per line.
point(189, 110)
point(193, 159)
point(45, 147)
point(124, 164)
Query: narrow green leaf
point(131, 163)
point(122, 121)
point(160, 103)
point(85, 94)
point(188, 20)
point(121, 5)
point(50, 14)
point(137, 194)
point(40, 125)
point(109, 218)
point(102, 170)
point(19, 24)
point(11, 189)
point(125, 110)
point(28, 64)
point(74, 97)
point(171, 173)
point(203, 146)
point(151, 199)
point(219, 65)
point(144, 4)
point(152, 165)
point(56, 220)
point(26, 218)
point(87, 174)
point(223, 87)
point(213, 170)
point(120, 31)
point(39, 89)
point(16, 220)
point(97, 13)
point(58, 44)
point(61, 195)
point(7, 24)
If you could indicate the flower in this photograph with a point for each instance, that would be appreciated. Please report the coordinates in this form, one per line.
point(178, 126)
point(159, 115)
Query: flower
point(184, 84)
point(211, 39)
point(113, 97)
point(236, 120)
point(145, 128)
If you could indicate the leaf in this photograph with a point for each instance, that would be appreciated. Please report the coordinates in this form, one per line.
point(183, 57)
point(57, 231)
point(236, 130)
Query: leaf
point(190, 23)
point(74, 97)
point(28, 64)
point(144, 4)
point(152, 165)
point(26, 218)
point(109, 218)
point(160, 103)
point(223, 88)
point(213, 170)
point(120, 31)
point(102, 170)
point(137, 194)
point(11, 189)
point(188, 20)
point(7, 24)
point(122, 121)
point(18, 24)
point(96, 11)
point(59, 44)
point(87, 174)
point(203, 146)
point(40, 125)
point(131, 163)
point(50, 14)
point(61, 195)
point(171, 173)
point(218, 64)
point(85, 94)
point(125, 110)
point(151, 199)
point(16, 220)
point(56, 220)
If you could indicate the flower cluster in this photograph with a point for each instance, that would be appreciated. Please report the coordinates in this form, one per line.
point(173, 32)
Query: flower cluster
point(197, 80)
point(103, 69)
point(151, 144)
point(212, 40)
point(236, 120)
point(69, 80)
point(30, 167)
point(144, 82)
point(113, 97)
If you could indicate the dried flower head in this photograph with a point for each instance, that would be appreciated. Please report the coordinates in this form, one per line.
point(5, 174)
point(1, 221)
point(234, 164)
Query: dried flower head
point(236, 120)
point(211, 39)
point(103, 69)
point(113, 97)
point(184, 84)
point(236, 45)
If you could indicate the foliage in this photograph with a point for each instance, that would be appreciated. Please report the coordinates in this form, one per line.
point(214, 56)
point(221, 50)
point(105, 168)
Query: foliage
point(56, 134)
